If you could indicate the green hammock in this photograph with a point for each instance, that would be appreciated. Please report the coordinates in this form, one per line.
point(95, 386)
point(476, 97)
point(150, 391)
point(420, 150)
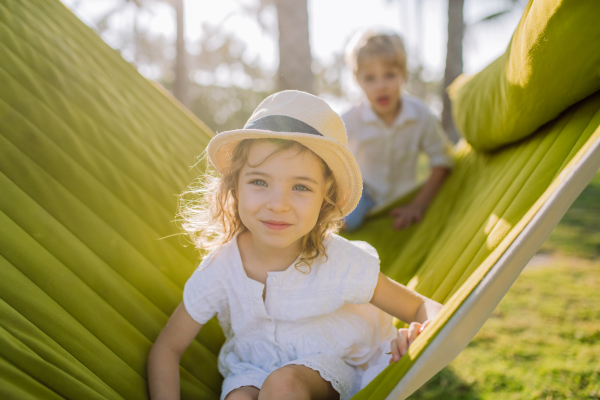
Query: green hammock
point(92, 155)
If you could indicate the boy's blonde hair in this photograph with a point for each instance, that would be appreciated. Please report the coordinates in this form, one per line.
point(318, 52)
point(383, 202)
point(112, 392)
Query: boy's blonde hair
point(211, 218)
point(388, 47)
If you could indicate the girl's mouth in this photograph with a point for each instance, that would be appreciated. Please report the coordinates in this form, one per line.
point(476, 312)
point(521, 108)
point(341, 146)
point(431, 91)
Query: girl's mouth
point(383, 100)
point(276, 225)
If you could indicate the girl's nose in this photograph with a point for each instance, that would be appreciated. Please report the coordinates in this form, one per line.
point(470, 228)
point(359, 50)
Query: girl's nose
point(278, 201)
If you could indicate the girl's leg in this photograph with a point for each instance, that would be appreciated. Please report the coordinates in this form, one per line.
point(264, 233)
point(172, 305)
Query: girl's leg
point(297, 382)
point(243, 393)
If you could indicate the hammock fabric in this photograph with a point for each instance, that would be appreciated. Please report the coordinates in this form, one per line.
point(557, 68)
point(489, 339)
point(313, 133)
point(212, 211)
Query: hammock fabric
point(91, 157)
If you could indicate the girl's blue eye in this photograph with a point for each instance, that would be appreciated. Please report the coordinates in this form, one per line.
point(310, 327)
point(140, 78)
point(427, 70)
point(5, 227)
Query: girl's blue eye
point(259, 182)
point(301, 188)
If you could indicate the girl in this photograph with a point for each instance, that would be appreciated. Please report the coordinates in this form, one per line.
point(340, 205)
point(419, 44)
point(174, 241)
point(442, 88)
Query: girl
point(291, 296)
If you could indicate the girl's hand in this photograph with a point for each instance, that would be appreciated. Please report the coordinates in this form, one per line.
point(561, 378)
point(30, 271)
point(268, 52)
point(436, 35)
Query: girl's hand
point(404, 339)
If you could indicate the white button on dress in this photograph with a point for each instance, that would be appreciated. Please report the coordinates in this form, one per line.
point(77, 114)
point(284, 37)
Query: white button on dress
point(321, 319)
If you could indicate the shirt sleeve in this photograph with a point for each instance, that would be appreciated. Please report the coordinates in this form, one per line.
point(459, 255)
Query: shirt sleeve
point(203, 293)
point(436, 144)
point(361, 272)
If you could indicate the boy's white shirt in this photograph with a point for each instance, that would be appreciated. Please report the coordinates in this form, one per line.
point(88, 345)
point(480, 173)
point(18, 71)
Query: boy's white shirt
point(388, 155)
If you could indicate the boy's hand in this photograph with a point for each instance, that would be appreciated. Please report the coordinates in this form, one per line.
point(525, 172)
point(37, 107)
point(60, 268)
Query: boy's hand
point(404, 338)
point(407, 215)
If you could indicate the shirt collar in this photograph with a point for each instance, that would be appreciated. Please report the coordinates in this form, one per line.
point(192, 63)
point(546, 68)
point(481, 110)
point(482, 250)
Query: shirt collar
point(407, 113)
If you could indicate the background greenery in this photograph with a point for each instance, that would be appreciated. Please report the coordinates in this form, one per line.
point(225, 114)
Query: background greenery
point(543, 340)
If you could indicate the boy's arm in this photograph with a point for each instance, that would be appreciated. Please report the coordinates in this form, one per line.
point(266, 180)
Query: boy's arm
point(407, 215)
point(406, 305)
point(163, 360)
point(434, 142)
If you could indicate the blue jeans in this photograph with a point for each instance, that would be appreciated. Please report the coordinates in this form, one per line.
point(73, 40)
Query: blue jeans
point(355, 219)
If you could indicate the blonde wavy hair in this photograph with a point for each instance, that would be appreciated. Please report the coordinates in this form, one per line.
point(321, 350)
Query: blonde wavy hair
point(372, 44)
point(208, 208)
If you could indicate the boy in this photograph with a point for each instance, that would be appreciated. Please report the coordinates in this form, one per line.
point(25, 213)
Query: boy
point(388, 130)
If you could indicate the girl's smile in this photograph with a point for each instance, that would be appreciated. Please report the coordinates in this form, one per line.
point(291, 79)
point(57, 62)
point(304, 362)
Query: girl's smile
point(277, 225)
point(280, 195)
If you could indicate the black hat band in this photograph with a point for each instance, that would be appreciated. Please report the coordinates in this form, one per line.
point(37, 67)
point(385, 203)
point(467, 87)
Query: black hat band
point(282, 123)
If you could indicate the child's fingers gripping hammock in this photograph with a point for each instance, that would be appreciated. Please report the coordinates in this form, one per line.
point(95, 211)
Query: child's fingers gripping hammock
point(92, 155)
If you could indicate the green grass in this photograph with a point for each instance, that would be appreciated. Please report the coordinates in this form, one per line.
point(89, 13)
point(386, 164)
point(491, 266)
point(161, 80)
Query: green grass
point(578, 233)
point(542, 342)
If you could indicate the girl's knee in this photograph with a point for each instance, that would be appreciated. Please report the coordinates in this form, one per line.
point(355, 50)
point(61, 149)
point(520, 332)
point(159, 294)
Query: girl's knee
point(243, 393)
point(285, 383)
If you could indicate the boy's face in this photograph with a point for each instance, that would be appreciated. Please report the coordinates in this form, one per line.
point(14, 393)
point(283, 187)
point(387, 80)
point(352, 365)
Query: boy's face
point(382, 83)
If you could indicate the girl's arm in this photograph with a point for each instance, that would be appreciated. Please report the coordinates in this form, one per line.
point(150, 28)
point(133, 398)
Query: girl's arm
point(412, 213)
point(163, 360)
point(406, 305)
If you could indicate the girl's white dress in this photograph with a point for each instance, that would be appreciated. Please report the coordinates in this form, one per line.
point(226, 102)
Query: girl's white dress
point(321, 319)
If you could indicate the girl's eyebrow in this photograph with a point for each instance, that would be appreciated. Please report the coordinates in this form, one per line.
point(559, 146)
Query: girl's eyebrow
point(299, 178)
point(306, 178)
point(249, 173)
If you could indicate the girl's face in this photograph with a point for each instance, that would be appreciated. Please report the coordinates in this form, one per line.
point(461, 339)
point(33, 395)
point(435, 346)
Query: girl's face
point(279, 200)
point(382, 84)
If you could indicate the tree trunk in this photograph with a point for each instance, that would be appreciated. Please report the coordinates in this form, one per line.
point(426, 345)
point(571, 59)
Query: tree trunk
point(295, 60)
point(181, 84)
point(454, 61)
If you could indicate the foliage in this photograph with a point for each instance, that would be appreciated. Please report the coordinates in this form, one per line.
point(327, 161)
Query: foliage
point(328, 78)
point(151, 53)
point(225, 108)
point(225, 83)
point(222, 73)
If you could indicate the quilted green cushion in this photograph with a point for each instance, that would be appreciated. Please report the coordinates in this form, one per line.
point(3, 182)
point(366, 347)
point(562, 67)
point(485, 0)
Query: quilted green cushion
point(552, 61)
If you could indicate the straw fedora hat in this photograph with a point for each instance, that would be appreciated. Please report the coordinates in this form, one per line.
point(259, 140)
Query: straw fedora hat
point(308, 120)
